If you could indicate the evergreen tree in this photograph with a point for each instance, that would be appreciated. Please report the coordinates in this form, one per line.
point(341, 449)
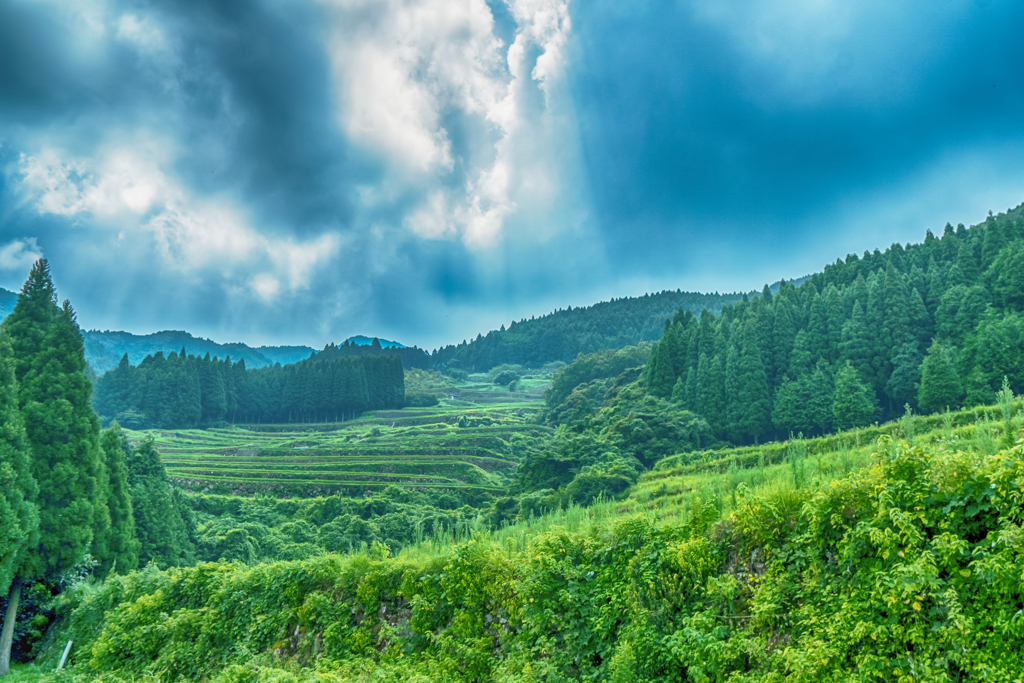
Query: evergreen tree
point(660, 378)
point(835, 315)
point(940, 386)
point(802, 360)
point(211, 391)
point(19, 514)
point(159, 526)
point(853, 404)
point(679, 392)
point(750, 403)
point(1006, 276)
point(905, 379)
point(920, 321)
point(61, 428)
point(64, 431)
point(123, 546)
point(856, 347)
point(893, 322)
point(967, 264)
point(804, 405)
point(784, 331)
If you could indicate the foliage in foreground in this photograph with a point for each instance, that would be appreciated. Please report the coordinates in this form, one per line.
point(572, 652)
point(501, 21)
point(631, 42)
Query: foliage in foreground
point(909, 570)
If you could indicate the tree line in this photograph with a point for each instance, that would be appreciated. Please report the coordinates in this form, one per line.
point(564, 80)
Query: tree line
point(73, 499)
point(185, 391)
point(566, 333)
point(927, 326)
point(411, 356)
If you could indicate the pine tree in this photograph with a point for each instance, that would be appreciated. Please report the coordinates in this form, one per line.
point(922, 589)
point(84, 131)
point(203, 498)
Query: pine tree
point(853, 404)
point(816, 334)
point(784, 333)
point(679, 393)
point(19, 514)
point(835, 315)
point(940, 386)
point(691, 389)
point(801, 359)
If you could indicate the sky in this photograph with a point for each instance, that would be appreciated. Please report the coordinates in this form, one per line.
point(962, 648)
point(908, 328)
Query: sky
point(423, 170)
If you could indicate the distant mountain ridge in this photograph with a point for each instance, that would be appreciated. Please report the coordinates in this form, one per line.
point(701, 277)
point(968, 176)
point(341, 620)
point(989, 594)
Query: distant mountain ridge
point(103, 350)
point(363, 340)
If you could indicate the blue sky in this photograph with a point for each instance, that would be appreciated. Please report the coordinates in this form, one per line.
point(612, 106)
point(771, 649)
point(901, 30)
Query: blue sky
point(422, 170)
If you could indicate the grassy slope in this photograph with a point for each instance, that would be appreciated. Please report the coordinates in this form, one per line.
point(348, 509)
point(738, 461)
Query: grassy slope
point(719, 556)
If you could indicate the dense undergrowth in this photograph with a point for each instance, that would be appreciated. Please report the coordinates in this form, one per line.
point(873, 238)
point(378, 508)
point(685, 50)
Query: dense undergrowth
point(890, 560)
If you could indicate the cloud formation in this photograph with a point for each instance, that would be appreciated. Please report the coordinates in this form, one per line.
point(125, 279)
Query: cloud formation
point(426, 169)
point(19, 254)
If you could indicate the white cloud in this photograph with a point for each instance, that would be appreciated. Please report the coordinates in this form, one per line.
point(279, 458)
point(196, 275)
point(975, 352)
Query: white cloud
point(125, 180)
point(143, 32)
point(125, 189)
point(405, 67)
point(19, 254)
point(402, 64)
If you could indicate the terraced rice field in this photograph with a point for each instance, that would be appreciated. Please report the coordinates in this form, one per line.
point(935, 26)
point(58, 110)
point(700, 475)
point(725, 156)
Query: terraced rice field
point(451, 446)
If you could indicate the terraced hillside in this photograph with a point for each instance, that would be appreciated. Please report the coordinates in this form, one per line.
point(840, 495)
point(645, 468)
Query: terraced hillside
point(460, 446)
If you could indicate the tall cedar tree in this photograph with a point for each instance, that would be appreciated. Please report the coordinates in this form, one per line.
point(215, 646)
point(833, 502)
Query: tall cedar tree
point(122, 546)
point(940, 385)
point(19, 514)
point(853, 404)
point(60, 425)
point(159, 525)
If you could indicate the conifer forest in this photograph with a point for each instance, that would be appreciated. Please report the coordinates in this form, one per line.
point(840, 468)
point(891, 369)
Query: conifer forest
point(820, 481)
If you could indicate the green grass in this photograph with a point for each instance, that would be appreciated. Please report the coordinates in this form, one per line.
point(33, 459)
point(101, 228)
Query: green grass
point(29, 673)
point(666, 494)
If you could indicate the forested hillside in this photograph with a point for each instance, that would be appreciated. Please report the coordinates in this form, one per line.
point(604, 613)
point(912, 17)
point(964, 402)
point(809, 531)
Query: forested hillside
point(929, 326)
point(565, 333)
point(411, 356)
point(184, 391)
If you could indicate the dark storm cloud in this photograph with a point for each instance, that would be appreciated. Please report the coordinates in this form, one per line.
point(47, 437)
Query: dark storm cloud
point(271, 69)
point(424, 170)
point(685, 128)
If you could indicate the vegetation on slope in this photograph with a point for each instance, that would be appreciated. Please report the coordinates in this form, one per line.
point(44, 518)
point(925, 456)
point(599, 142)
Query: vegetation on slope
point(905, 569)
